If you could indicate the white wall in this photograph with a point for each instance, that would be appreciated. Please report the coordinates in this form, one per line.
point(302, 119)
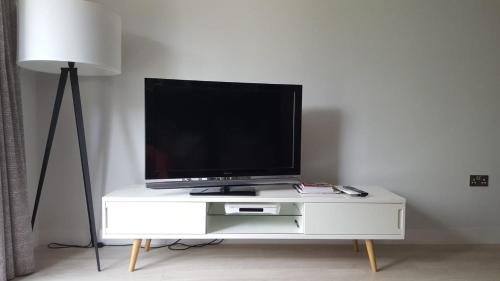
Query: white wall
point(402, 94)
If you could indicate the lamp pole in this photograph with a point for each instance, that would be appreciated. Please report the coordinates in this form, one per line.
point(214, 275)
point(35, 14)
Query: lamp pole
point(77, 105)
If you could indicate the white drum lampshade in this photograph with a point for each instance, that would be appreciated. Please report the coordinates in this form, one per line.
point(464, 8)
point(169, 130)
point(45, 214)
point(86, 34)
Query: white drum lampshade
point(52, 33)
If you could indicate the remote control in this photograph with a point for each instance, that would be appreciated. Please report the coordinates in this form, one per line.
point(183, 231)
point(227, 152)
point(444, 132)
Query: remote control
point(352, 190)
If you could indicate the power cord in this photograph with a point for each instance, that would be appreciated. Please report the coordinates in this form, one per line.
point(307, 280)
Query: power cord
point(174, 246)
point(183, 247)
point(65, 246)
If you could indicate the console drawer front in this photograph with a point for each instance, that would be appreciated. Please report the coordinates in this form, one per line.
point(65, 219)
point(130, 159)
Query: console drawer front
point(154, 218)
point(354, 218)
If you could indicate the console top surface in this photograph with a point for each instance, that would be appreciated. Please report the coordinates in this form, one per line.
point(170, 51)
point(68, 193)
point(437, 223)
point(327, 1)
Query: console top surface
point(270, 193)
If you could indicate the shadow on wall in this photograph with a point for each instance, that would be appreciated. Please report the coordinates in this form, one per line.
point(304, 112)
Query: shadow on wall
point(146, 57)
point(320, 145)
point(99, 105)
point(115, 107)
point(321, 135)
point(122, 110)
point(422, 227)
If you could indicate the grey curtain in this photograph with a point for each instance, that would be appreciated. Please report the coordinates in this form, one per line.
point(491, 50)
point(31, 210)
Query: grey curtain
point(16, 250)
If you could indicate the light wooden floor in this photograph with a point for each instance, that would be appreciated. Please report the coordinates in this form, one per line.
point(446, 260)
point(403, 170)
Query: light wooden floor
point(274, 262)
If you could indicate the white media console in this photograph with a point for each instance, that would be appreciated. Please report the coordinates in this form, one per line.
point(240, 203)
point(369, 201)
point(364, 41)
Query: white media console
point(140, 213)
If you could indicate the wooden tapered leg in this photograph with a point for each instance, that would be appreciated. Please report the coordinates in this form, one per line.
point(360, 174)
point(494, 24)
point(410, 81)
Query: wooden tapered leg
point(135, 252)
point(371, 254)
point(355, 245)
point(147, 246)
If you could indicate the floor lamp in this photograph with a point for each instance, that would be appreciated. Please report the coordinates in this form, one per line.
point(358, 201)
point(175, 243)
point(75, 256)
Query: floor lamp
point(71, 38)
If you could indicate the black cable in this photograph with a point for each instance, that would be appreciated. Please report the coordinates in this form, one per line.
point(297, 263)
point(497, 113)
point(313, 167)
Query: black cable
point(167, 245)
point(116, 245)
point(187, 246)
point(65, 246)
point(171, 246)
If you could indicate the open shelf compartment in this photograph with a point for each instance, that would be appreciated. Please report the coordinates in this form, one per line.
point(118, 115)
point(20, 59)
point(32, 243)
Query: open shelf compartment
point(288, 221)
point(286, 209)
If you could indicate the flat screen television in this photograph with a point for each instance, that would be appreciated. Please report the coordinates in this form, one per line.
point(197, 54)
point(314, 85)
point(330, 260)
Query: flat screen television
point(220, 134)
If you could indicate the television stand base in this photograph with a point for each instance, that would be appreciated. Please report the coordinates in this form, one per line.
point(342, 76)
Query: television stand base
point(140, 214)
point(224, 191)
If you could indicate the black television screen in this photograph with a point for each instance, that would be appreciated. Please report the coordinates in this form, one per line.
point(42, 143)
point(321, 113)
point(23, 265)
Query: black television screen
point(201, 129)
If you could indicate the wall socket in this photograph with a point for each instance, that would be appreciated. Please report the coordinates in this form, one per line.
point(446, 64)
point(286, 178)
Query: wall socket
point(479, 180)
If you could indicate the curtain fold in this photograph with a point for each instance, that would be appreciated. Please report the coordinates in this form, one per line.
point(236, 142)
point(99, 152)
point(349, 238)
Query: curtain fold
point(16, 249)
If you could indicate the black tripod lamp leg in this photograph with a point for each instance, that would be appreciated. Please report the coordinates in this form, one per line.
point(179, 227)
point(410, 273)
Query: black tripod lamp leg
point(83, 156)
point(53, 123)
